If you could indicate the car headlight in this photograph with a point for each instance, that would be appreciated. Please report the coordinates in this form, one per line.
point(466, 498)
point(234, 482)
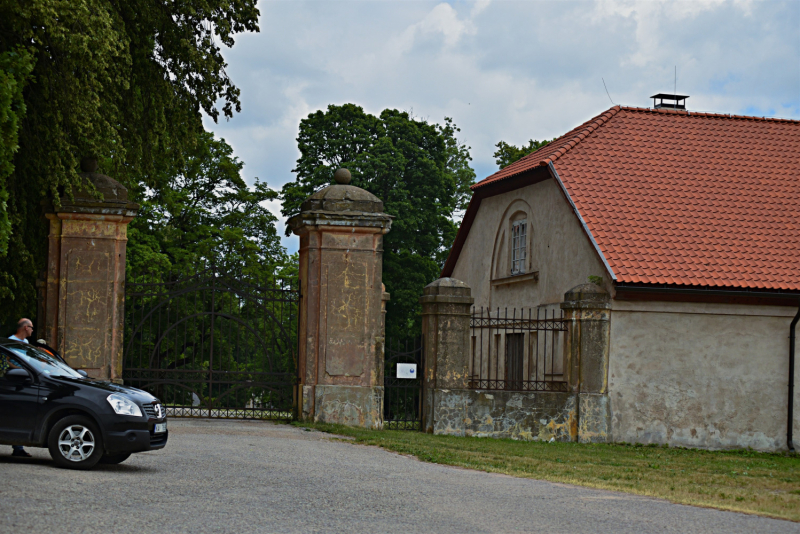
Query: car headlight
point(123, 405)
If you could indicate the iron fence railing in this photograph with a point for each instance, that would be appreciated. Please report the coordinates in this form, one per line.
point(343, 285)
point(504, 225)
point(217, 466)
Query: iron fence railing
point(518, 349)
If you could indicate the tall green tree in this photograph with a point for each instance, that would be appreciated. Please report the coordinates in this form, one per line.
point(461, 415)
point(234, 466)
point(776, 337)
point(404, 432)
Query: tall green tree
point(126, 81)
point(205, 213)
point(506, 154)
point(15, 69)
point(420, 171)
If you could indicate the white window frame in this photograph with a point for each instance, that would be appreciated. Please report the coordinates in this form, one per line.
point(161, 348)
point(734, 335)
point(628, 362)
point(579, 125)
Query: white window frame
point(519, 235)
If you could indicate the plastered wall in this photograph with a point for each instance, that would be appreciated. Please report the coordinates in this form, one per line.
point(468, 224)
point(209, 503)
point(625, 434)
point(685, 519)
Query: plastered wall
point(558, 250)
point(700, 375)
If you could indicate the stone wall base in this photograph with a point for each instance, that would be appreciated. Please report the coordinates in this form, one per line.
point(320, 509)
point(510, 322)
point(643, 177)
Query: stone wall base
point(594, 418)
point(345, 405)
point(517, 415)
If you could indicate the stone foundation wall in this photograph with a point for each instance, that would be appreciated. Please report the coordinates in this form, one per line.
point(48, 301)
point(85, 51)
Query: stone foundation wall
point(349, 405)
point(578, 413)
point(523, 415)
point(503, 414)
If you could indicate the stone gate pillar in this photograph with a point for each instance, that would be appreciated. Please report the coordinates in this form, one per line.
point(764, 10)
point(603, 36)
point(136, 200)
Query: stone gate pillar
point(588, 310)
point(445, 331)
point(84, 290)
point(340, 353)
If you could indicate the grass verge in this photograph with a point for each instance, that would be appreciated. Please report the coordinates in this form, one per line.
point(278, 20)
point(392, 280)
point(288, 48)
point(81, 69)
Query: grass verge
point(760, 483)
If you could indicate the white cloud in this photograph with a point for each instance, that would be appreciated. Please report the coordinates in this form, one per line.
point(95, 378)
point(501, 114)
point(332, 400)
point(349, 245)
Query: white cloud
point(443, 19)
point(502, 70)
point(655, 18)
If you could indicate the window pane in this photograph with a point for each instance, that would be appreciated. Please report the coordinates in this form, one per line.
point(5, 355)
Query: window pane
point(518, 246)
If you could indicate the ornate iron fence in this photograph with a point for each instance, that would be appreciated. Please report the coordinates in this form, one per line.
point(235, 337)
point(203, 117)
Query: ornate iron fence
point(402, 381)
point(518, 350)
point(213, 344)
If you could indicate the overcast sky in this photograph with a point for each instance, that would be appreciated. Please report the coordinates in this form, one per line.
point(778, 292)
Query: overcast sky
point(501, 69)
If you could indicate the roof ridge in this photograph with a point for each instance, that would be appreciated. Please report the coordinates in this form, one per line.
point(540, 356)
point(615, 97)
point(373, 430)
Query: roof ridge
point(560, 146)
point(707, 114)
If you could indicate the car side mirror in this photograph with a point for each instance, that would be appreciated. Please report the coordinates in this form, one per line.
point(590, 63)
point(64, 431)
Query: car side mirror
point(18, 375)
point(83, 373)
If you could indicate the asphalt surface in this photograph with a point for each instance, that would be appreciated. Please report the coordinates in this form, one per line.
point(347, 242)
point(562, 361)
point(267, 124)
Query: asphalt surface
point(221, 476)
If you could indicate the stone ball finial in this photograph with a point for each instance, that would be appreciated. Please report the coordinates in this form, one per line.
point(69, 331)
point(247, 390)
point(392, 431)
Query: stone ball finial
point(89, 164)
point(342, 176)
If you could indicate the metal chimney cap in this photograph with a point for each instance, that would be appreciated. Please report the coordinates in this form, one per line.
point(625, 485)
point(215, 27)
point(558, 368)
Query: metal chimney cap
point(673, 101)
point(666, 96)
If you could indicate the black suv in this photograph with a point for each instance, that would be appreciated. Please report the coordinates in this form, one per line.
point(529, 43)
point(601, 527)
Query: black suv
point(46, 403)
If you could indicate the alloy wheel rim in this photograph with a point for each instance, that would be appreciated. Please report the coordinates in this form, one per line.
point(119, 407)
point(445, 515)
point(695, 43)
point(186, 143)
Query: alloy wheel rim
point(76, 443)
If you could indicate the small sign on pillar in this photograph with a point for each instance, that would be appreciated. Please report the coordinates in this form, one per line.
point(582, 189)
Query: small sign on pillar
point(406, 370)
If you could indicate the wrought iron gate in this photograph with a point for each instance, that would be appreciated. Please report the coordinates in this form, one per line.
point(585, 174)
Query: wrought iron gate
point(402, 401)
point(213, 344)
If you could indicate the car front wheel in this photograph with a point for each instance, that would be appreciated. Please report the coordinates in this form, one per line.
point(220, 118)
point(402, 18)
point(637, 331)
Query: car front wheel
point(75, 442)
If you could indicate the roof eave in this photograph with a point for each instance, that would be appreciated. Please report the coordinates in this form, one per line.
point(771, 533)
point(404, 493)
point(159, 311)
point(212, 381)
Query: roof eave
point(650, 292)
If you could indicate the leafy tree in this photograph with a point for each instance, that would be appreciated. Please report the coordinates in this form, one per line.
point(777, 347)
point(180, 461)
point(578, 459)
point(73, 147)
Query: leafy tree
point(205, 212)
point(458, 165)
point(15, 68)
point(507, 154)
point(419, 170)
point(125, 81)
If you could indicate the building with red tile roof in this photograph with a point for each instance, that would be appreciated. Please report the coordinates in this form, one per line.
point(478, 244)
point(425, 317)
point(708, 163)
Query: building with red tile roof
point(691, 222)
point(680, 198)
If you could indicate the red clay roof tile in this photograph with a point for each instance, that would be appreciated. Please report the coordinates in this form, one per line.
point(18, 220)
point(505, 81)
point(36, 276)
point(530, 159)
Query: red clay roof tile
point(684, 198)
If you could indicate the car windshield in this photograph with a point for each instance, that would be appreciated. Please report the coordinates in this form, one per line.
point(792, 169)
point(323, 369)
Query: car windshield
point(42, 361)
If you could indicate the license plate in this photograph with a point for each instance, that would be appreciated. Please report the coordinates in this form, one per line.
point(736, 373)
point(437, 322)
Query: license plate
point(161, 428)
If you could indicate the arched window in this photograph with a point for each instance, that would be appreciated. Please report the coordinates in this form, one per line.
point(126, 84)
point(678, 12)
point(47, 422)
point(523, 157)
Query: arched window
point(511, 255)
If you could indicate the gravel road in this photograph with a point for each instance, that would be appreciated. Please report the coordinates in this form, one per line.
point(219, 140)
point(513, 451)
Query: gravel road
point(221, 476)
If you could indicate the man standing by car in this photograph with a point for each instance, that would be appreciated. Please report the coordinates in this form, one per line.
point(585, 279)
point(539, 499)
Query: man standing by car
point(24, 331)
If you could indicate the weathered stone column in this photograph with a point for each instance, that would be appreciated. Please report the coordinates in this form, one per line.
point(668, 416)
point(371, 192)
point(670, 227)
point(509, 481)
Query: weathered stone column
point(588, 309)
point(445, 329)
point(84, 291)
point(340, 357)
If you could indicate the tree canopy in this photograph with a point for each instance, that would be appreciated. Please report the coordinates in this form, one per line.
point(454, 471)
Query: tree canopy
point(420, 171)
point(125, 81)
point(206, 211)
point(506, 154)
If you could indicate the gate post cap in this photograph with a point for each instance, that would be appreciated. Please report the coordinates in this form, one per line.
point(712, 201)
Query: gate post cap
point(447, 282)
point(113, 199)
point(342, 197)
point(341, 205)
point(586, 296)
point(450, 288)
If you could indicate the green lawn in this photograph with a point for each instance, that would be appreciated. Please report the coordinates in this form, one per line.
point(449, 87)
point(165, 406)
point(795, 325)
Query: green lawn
point(745, 481)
